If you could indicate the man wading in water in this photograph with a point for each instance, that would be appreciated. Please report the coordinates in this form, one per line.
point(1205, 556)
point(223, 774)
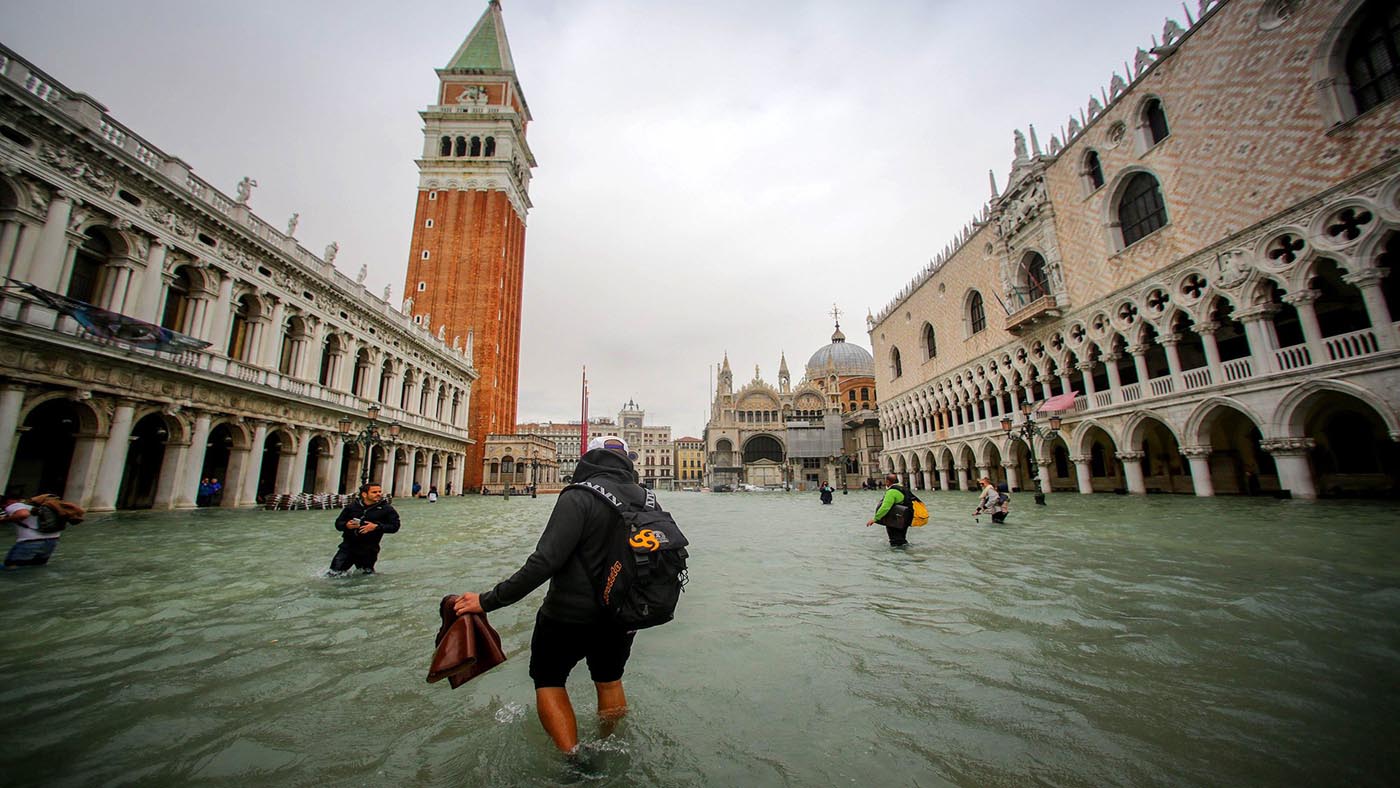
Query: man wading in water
point(896, 521)
point(571, 625)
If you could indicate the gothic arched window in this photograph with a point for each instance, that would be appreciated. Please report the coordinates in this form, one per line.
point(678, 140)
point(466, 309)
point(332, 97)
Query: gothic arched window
point(1141, 209)
point(490, 146)
point(461, 146)
point(1033, 277)
point(1154, 121)
point(1373, 58)
point(446, 147)
point(476, 146)
point(976, 313)
point(1093, 170)
point(930, 344)
point(896, 367)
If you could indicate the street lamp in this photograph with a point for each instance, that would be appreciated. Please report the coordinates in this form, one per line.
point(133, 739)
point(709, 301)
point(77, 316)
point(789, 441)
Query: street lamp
point(368, 437)
point(534, 474)
point(1025, 432)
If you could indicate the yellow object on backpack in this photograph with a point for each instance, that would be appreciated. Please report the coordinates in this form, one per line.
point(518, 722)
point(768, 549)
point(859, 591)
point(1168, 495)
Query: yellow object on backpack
point(920, 514)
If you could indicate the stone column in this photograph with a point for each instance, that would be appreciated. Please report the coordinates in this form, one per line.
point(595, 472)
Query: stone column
point(963, 481)
point(114, 288)
point(296, 483)
point(149, 304)
point(943, 479)
point(87, 456)
point(984, 472)
point(333, 473)
point(9, 240)
point(1199, 458)
point(1044, 477)
point(1083, 473)
point(1139, 353)
point(218, 319)
point(1115, 382)
point(286, 469)
point(46, 266)
point(241, 463)
point(1257, 324)
point(1013, 475)
point(1132, 471)
point(461, 474)
point(11, 401)
point(271, 338)
point(1169, 343)
point(1303, 300)
point(174, 469)
point(1086, 374)
point(109, 474)
point(1206, 331)
point(194, 462)
point(1368, 281)
point(1294, 470)
point(24, 251)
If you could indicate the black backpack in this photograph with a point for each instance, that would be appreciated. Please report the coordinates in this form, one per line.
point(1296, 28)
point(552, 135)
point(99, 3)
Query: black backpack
point(646, 571)
point(51, 520)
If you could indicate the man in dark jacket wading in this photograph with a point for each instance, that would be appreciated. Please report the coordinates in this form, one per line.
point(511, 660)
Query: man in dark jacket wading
point(362, 525)
point(896, 522)
point(571, 625)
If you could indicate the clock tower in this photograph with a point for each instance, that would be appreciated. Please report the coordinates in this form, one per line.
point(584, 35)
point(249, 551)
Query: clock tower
point(467, 257)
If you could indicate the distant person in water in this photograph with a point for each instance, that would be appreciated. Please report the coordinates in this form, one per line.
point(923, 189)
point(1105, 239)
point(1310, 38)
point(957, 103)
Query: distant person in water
point(432, 495)
point(895, 512)
point(993, 500)
point(827, 490)
point(362, 525)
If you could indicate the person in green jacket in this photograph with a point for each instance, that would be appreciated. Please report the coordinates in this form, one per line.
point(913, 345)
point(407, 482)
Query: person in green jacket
point(895, 525)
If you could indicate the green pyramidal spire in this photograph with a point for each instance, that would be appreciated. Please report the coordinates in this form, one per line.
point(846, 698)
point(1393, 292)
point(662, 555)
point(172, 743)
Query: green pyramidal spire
point(486, 47)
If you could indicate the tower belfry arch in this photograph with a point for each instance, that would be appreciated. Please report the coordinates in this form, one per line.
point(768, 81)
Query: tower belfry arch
point(467, 255)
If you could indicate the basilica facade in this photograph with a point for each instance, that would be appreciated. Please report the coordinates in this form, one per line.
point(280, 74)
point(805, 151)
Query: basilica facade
point(796, 437)
point(155, 333)
point(1199, 268)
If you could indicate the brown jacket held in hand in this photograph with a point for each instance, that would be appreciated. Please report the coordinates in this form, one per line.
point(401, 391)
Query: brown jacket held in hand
point(467, 646)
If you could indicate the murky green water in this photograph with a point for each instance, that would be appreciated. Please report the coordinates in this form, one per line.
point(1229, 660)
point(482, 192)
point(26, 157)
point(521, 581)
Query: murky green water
point(1103, 640)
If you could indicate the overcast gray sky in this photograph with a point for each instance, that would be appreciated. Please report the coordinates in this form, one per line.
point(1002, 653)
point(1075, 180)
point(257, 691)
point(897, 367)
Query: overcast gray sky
point(712, 175)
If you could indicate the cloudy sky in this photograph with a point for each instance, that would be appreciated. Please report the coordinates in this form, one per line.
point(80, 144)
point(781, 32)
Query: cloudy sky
point(713, 176)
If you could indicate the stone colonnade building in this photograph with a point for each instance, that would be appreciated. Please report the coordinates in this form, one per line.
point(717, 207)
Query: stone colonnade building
point(514, 462)
point(796, 436)
point(90, 210)
point(1205, 258)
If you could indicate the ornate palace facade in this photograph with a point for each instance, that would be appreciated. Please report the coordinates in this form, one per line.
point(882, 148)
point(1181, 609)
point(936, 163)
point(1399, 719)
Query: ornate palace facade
point(1204, 258)
point(801, 436)
point(281, 347)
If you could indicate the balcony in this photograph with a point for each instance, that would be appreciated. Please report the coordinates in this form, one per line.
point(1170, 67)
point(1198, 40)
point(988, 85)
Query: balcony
point(1036, 312)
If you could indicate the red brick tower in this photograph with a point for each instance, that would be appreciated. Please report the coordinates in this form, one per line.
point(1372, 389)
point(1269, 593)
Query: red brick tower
point(467, 258)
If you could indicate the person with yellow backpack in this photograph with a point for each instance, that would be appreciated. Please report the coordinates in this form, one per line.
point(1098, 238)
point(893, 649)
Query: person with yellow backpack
point(899, 510)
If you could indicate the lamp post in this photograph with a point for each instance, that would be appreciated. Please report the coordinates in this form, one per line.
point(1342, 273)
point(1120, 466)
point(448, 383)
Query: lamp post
point(1029, 429)
point(368, 438)
point(534, 474)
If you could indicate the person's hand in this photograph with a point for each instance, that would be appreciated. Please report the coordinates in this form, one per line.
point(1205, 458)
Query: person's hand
point(468, 603)
point(869, 523)
point(367, 527)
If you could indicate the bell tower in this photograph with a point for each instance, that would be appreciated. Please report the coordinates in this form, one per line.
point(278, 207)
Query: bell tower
point(467, 257)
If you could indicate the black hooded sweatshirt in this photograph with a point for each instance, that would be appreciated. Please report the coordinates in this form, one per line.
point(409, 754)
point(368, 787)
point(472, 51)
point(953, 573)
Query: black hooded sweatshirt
point(573, 548)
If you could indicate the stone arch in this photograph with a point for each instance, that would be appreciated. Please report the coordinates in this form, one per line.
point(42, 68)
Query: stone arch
point(57, 438)
point(1199, 423)
point(152, 433)
point(1287, 420)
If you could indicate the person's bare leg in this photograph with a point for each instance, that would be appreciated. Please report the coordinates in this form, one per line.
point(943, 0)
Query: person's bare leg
point(557, 717)
point(612, 705)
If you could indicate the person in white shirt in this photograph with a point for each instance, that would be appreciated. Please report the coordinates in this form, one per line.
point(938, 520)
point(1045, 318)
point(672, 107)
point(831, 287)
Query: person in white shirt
point(32, 547)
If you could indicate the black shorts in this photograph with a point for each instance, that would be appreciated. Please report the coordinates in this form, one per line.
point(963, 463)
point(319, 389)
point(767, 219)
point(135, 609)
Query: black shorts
point(557, 646)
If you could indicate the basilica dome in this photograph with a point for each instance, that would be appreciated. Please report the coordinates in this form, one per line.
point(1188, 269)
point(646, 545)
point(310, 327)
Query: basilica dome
point(848, 359)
